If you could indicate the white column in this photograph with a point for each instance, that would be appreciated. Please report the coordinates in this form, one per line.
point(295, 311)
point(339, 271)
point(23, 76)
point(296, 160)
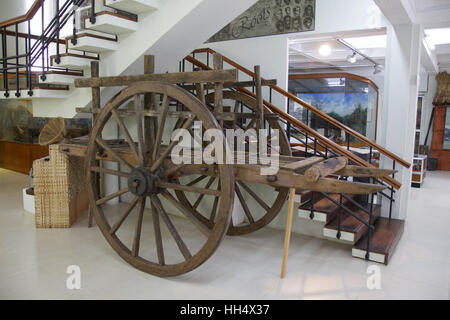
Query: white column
point(400, 106)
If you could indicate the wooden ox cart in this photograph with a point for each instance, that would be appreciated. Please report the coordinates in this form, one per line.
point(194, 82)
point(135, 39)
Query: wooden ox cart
point(145, 111)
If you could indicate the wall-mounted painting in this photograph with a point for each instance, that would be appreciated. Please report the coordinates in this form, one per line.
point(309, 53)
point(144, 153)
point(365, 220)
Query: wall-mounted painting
point(270, 17)
point(447, 131)
point(350, 109)
point(17, 123)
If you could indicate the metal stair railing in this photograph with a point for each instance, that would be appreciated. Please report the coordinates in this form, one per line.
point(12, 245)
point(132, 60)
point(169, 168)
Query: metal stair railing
point(29, 48)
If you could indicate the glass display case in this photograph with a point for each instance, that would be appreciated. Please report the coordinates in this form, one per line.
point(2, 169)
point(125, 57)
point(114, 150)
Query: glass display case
point(350, 99)
point(419, 170)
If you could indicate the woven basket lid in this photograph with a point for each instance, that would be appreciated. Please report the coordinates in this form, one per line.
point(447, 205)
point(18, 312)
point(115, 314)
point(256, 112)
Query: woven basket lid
point(52, 132)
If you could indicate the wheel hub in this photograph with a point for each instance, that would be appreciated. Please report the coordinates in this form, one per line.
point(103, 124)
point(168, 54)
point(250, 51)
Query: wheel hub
point(142, 183)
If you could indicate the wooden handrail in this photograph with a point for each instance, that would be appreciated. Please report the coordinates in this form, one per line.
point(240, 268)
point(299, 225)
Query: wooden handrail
point(27, 16)
point(296, 123)
point(321, 114)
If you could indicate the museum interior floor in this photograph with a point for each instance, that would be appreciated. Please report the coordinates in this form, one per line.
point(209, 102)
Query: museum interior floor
point(33, 262)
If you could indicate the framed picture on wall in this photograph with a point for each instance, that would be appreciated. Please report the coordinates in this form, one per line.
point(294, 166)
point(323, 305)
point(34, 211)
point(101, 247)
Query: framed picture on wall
point(446, 145)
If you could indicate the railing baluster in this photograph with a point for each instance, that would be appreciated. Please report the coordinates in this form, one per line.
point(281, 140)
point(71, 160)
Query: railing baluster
point(29, 72)
point(57, 59)
point(5, 61)
point(93, 18)
point(392, 193)
point(338, 234)
point(17, 62)
point(43, 77)
point(369, 234)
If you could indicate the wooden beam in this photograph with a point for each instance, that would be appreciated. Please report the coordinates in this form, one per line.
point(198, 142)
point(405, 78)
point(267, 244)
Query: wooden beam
point(304, 163)
point(179, 77)
point(259, 97)
point(362, 172)
point(325, 168)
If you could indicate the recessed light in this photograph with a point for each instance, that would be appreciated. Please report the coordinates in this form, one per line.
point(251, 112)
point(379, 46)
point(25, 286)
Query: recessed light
point(325, 50)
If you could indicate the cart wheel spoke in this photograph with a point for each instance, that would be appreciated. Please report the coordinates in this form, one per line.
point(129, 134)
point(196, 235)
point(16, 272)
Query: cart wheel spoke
point(200, 197)
point(162, 122)
point(195, 181)
point(172, 170)
point(197, 223)
point(158, 237)
point(105, 146)
point(244, 204)
point(111, 172)
point(140, 130)
point(212, 217)
point(119, 223)
point(126, 133)
point(179, 187)
point(173, 231)
point(254, 195)
point(137, 233)
point(166, 152)
point(111, 196)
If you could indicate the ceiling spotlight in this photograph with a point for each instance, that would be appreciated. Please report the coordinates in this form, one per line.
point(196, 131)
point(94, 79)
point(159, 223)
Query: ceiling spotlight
point(325, 50)
point(352, 58)
point(377, 69)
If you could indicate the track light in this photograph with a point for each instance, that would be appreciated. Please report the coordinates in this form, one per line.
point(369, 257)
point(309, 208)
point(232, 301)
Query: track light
point(352, 58)
point(377, 69)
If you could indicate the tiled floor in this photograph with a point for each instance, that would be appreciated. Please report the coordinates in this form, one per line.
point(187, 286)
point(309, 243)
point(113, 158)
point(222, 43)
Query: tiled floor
point(33, 262)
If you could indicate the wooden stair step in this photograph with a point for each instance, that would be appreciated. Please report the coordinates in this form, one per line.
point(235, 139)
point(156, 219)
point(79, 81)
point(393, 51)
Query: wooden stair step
point(351, 228)
point(383, 241)
point(324, 209)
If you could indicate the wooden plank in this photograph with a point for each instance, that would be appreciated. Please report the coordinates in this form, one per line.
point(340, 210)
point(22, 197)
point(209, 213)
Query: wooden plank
point(227, 116)
point(325, 168)
point(304, 163)
point(259, 97)
point(287, 237)
point(218, 86)
point(363, 172)
point(233, 85)
point(179, 77)
point(149, 104)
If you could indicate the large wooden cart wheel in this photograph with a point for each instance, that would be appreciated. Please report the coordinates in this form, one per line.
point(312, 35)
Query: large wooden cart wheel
point(152, 240)
point(260, 203)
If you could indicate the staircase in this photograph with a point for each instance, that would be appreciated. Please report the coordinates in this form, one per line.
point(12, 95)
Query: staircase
point(356, 221)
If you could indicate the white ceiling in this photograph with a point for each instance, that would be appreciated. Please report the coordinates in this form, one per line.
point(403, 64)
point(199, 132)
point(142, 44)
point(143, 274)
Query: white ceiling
point(304, 54)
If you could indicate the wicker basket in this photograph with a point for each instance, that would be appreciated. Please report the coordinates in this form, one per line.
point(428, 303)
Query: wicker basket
point(60, 196)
